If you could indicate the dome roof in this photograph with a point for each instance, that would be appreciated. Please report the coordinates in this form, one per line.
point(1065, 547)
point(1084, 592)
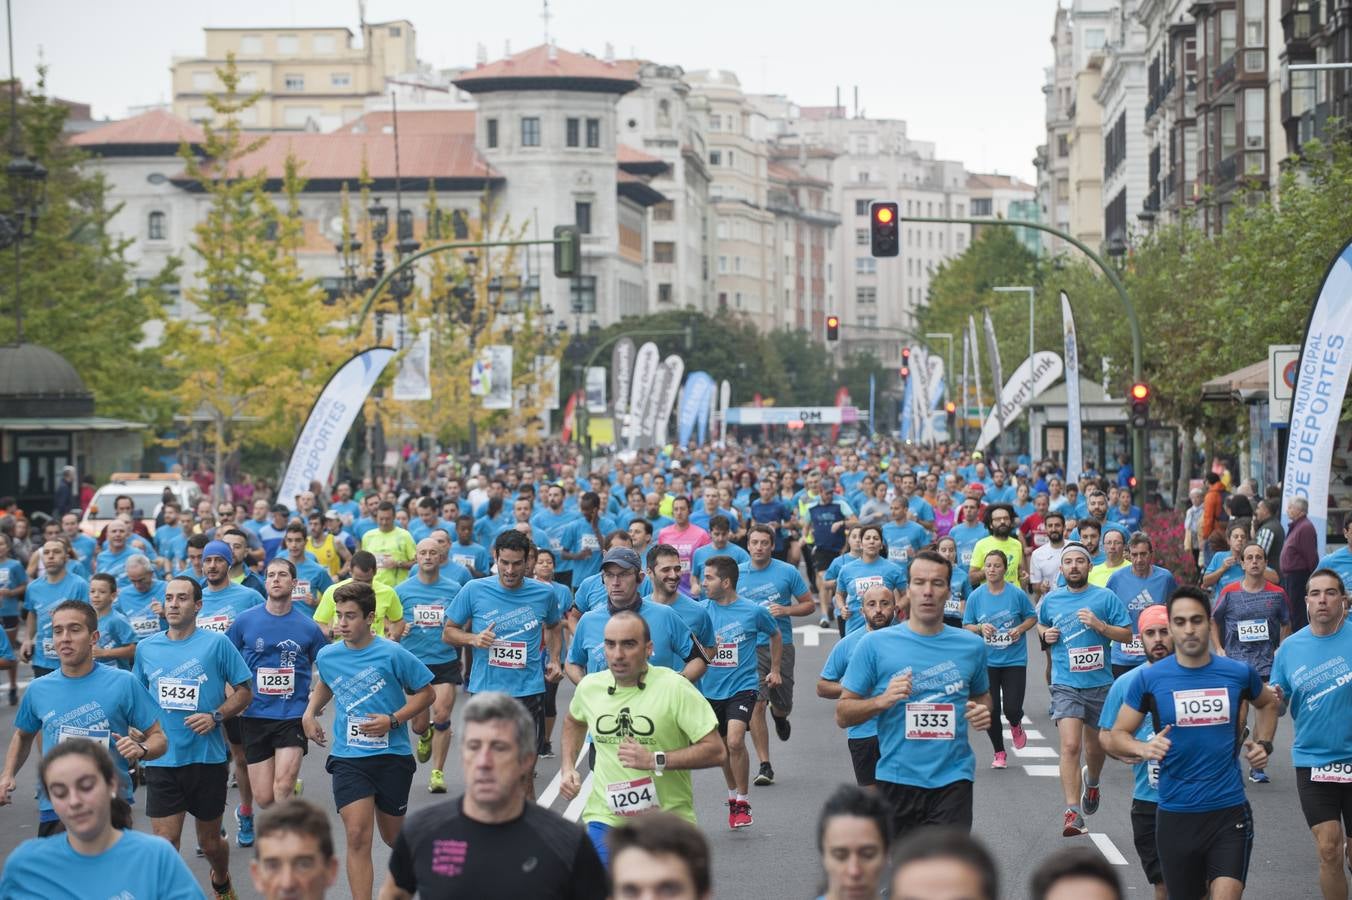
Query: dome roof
point(36, 381)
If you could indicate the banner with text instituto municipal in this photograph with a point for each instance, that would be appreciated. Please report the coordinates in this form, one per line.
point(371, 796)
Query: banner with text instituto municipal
point(1321, 383)
point(330, 418)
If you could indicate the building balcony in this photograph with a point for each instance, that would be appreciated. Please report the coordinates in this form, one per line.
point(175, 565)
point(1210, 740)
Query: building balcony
point(1225, 172)
point(1300, 22)
point(1151, 204)
point(1167, 187)
point(1160, 96)
point(1223, 75)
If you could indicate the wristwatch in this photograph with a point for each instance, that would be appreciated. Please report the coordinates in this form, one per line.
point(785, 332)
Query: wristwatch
point(659, 761)
point(1266, 745)
point(217, 717)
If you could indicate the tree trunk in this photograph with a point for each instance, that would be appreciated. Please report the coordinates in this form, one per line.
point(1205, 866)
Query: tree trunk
point(1181, 500)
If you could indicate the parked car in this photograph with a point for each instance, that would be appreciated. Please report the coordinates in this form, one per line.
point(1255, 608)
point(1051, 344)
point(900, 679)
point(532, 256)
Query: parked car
point(146, 491)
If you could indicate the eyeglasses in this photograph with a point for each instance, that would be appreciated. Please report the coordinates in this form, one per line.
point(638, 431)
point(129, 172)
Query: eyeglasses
point(225, 512)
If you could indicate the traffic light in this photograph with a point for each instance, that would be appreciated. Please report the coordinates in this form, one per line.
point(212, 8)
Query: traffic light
point(567, 249)
point(883, 225)
point(951, 411)
point(905, 363)
point(1140, 405)
point(833, 328)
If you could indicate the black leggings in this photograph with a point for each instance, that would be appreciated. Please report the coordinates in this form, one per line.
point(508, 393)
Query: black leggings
point(1011, 682)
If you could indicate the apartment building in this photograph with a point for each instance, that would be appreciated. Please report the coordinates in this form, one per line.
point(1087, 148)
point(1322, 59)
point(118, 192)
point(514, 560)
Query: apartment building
point(1170, 110)
point(1005, 197)
point(1122, 97)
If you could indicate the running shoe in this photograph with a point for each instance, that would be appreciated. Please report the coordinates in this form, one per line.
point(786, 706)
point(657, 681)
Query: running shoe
point(547, 752)
point(783, 727)
point(425, 745)
point(244, 835)
point(824, 623)
point(225, 893)
point(298, 789)
point(732, 813)
point(766, 775)
point(1019, 736)
point(1258, 776)
point(999, 762)
point(13, 696)
point(1074, 825)
point(1089, 796)
point(436, 784)
point(741, 817)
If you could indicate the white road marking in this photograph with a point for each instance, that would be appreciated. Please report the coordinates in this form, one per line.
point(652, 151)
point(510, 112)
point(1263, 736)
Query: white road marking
point(812, 634)
point(574, 810)
point(1108, 848)
point(1044, 771)
point(1037, 752)
point(552, 789)
point(1033, 734)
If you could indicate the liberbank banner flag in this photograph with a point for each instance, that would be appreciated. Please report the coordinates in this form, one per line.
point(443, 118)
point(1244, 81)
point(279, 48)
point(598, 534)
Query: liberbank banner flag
point(332, 415)
point(1031, 378)
point(1321, 383)
point(1074, 445)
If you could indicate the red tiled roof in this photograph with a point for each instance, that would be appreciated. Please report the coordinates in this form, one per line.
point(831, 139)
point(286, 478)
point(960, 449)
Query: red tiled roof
point(154, 127)
point(778, 171)
point(997, 182)
point(339, 156)
point(427, 121)
point(627, 154)
point(534, 66)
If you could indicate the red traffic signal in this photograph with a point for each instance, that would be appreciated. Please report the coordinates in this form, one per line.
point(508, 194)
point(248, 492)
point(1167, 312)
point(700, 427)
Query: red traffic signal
point(833, 328)
point(1140, 391)
point(884, 237)
point(1140, 404)
point(950, 407)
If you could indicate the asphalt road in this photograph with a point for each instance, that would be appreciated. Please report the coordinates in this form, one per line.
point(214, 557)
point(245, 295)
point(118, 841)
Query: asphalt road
point(1018, 810)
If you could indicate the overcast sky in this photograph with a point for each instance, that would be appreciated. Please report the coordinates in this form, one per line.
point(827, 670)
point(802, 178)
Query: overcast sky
point(965, 74)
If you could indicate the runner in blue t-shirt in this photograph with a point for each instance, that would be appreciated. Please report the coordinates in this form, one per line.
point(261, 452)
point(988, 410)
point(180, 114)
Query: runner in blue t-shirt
point(1227, 568)
point(730, 682)
point(926, 684)
point(376, 687)
point(41, 597)
point(187, 671)
point(117, 642)
point(720, 532)
point(1153, 626)
point(870, 569)
point(541, 565)
point(311, 579)
point(142, 602)
point(279, 643)
point(81, 699)
point(779, 588)
point(828, 580)
point(474, 557)
point(663, 581)
point(1078, 622)
point(1204, 827)
point(902, 537)
point(13, 583)
point(879, 611)
point(1002, 615)
point(1311, 675)
point(554, 520)
point(1138, 586)
point(426, 596)
point(968, 532)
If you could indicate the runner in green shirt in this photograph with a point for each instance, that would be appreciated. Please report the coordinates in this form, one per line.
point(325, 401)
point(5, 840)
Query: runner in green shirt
point(1000, 521)
point(392, 546)
point(650, 727)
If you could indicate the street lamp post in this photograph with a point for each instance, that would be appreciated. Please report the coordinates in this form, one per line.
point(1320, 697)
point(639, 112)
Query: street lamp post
point(1014, 289)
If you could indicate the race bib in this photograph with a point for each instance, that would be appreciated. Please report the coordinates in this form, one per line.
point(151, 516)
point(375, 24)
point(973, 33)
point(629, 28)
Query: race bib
point(49, 648)
point(507, 654)
point(1135, 648)
point(218, 624)
point(966, 559)
point(1000, 640)
point(355, 738)
point(930, 722)
point(1253, 630)
point(1152, 774)
point(72, 732)
point(386, 560)
point(145, 626)
point(630, 798)
point(1086, 659)
point(178, 693)
point(300, 591)
point(1204, 706)
point(952, 606)
point(277, 682)
point(589, 542)
point(899, 554)
point(427, 616)
point(1333, 773)
point(725, 656)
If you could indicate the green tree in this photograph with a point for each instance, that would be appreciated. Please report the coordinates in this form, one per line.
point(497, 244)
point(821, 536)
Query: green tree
point(73, 280)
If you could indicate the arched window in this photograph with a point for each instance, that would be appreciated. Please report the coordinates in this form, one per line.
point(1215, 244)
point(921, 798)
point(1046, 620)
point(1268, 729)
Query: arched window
point(663, 112)
point(155, 226)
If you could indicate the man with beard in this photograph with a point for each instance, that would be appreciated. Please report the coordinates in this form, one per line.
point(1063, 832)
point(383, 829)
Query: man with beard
point(1156, 644)
point(879, 611)
point(556, 522)
point(1000, 521)
point(1139, 587)
point(1080, 621)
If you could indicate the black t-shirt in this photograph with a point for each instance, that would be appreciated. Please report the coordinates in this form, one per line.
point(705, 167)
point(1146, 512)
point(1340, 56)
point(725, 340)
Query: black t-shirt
point(442, 853)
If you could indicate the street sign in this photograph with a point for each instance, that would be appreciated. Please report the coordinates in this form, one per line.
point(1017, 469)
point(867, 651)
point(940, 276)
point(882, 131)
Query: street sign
point(1283, 364)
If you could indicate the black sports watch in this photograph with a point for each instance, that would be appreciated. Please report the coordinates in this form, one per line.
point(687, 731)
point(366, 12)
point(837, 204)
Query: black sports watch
point(1266, 745)
point(217, 717)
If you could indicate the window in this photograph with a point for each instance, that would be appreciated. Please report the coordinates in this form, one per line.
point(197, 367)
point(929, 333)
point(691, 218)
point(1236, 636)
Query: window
point(715, 157)
point(861, 207)
point(396, 31)
point(729, 157)
point(340, 79)
point(200, 113)
point(582, 216)
point(664, 292)
point(1227, 35)
point(293, 82)
point(663, 112)
point(460, 224)
point(715, 123)
point(664, 251)
point(530, 131)
point(663, 212)
point(248, 81)
point(491, 137)
point(287, 45)
point(155, 226)
point(323, 44)
point(861, 237)
point(1094, 38)
point(865, 265)
point(572, 132)
point(1255, 119)
point(866, 295)
point(722, 265)
point(862, 144)
point(1227, 135)
point(1253, 23)
point(981, 206)
point(593, 133)
point(250, 45)
point(404, 225)
point(299, 116)
point(737, 264)
point(584, 293)
point(202, 81)
point(1062, 146)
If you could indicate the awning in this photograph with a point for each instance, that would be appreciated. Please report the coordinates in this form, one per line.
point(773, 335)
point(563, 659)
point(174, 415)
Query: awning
point(1240, 386)
point(74, 423)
